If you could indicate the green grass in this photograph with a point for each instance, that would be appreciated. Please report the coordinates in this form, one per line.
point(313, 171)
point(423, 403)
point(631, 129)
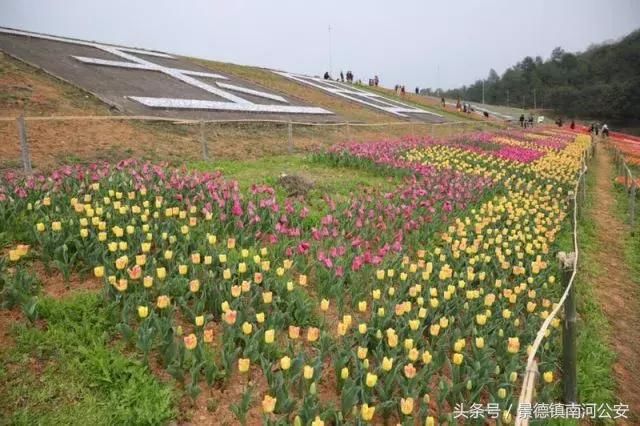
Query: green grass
point(70, 372)
point(335, 181)
point(595, 356)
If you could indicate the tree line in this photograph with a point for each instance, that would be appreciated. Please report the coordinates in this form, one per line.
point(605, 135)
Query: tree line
point(602, 82)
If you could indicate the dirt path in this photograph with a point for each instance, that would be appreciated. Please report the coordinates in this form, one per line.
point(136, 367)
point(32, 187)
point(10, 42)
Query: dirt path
point(618, 294)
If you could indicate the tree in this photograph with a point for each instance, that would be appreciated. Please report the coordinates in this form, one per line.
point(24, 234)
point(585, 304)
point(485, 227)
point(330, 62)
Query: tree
point(601, 83)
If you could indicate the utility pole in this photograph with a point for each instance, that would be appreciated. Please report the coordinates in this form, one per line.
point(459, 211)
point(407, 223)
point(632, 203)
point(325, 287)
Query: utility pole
point(482, 91)
point(330, 63)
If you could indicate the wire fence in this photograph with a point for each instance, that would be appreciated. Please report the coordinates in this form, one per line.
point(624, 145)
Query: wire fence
point(46, 141)
point(628, 180)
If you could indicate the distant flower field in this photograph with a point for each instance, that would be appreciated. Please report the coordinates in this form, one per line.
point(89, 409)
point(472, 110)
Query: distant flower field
point(394, 305)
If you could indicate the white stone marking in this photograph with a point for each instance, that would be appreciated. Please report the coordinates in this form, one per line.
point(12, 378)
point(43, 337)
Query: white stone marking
point(133, 65)
point(252, 92)
point(357, 95)
point(134, 62)
point(224, 106)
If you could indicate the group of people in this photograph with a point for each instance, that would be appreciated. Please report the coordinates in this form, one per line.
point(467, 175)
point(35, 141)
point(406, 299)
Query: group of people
point(373, 82)
point(596, 129)
point(524, 123)
point(463, 107)
point(348, 79)
point(400, 91)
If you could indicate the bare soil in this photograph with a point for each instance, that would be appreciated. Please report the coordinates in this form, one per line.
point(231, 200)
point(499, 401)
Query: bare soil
point(615, 289)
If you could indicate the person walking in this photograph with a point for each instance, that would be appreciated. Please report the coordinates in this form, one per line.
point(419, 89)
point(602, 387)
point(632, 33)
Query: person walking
point(572, 125)
point(341, 76)
point(521, 120)
point(605, 131)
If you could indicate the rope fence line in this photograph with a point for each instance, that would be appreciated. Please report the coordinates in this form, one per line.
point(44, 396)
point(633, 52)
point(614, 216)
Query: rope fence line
point(176, 120)
point(201, 138)
point(569, 263)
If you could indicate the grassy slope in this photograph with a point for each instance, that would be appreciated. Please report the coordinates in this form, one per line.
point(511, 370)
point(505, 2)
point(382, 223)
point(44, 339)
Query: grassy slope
point(424, 103)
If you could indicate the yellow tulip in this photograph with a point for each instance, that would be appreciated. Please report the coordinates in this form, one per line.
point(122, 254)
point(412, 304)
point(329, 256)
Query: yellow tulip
point(247, 328)
point(98, 271)
point(371, 380)
point(362, 352)
point(406, 406)
point(268, 404)
point(163, 302)
point(243, 364)
point(344, 373)
point(387, 363)
point(269, 336)
point(308, 372)
point(143, 311)
point(313, 333)
point(367, 412)
point(285, 363)
point(161, 273)
point(458, 358)
point(324, 305)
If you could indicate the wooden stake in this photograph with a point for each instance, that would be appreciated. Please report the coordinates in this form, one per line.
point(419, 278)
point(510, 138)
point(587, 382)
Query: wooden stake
point(24, 145)
point(203, 142)
point(569, 362)
point(290, 137)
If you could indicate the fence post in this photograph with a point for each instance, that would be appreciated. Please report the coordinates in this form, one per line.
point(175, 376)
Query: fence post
point(569, 368)
point(290, 137)
point(632, 205)
point(203, 142)
point(25, 155)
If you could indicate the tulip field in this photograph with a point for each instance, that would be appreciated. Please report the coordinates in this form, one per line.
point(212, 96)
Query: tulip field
point(389, 306)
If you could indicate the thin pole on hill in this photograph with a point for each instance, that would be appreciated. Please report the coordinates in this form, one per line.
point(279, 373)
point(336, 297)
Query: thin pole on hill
point(24, 145)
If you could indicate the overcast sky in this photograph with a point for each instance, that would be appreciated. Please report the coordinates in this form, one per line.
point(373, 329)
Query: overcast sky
point(425, 43)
